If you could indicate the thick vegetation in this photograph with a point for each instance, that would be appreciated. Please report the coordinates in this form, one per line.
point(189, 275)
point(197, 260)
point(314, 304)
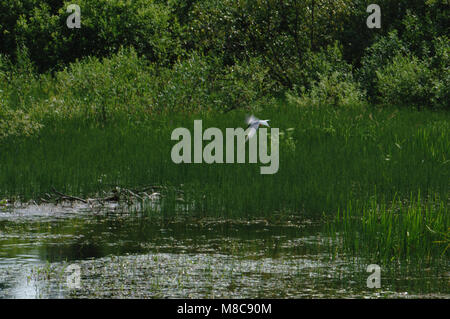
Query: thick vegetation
point(158, 56)
point(92, 108)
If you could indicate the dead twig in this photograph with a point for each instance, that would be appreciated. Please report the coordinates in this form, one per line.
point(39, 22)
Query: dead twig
point(64, 196)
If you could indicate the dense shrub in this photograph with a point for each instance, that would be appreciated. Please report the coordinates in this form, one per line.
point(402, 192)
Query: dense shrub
point(19, 83)
point(247, 84)
point(10, 11)
point(127, 87)
point(420, 27)
point(116, 87)
point(105, 26)
point(18, 88)
point(417, 22)
point(326, 79)
point(440, 63)
point(188, 85)
point(441, 58)
point(406, 81)
point(377, 56)
point(394, 81)
point(201, 83)
point(280, 32)
point(319, 65)
point(16, 123)
point(223, 54)
point(336, 89)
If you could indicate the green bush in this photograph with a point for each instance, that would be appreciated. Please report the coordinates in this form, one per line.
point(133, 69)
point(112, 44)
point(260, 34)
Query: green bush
point(246, 84)
point(280, 32)
point(377, 56)
point(421, 27)
point(406, 81)
point(325, 78)
point(193, 56)
point(105, 26)
point(127, 87)
point(10, 11)
point(319, 65)
point(440, 63)
point(16, 123)
point(441, 58)
point(188, 86)
point(120, 86)
point(19, 84)
point(214, 28)
point(336, 89)
point(201, 83)
point(441, 91)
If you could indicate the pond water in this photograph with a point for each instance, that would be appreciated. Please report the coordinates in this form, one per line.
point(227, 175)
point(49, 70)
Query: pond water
point(124, 254)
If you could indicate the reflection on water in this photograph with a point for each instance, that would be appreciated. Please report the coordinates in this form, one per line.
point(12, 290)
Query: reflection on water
point(134, 255)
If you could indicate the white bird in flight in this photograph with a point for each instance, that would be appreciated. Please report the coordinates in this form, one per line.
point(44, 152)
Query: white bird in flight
point(253, 125)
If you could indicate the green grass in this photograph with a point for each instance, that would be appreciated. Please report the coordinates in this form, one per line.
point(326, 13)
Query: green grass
point(330, 159)
point(403, 230)
point(332, 156)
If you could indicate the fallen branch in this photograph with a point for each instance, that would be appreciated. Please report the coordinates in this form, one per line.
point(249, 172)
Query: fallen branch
point(73, 198)
point(115, 195)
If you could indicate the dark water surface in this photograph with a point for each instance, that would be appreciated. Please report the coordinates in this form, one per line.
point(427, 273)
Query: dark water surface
point(123, 254)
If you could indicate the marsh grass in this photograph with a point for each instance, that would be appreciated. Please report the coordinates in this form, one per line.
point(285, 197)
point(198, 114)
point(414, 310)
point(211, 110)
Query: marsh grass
point(330, 159)
point(401, 230)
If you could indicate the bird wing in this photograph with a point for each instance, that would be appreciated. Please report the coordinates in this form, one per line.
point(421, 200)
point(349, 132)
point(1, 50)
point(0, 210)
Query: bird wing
point(251, 119)
point(251, 130)
point(251, 133)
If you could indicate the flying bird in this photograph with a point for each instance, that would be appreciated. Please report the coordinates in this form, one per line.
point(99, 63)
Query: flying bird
point(253, 125)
